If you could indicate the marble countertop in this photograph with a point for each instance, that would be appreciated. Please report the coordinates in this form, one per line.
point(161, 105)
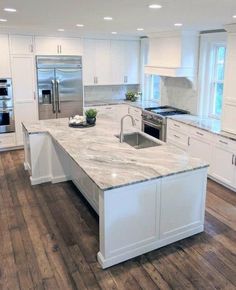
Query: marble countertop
point(208, 124)
point(109, 163)
point(140, 103)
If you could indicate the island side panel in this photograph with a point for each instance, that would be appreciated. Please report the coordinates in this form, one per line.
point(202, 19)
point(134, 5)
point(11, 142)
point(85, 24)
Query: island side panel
point(128, 221)
point(139, 218)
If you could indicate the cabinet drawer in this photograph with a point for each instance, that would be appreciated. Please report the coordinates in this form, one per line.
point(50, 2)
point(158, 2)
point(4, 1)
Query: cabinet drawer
point(7, 140)
point(225, 143)
point(177, 138)
point(201, 134)
point(175, 125)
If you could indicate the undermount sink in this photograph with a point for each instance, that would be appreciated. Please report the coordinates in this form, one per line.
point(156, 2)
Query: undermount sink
point(138, 140)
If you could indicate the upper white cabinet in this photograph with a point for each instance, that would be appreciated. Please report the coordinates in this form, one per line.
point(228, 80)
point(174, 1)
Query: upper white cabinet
point(25, 103)
point(125, 62)
point(172, 54)
point(21, 44)
point(111, 62)
point(5, 70)
point(229, 106)
point(58, 46)
point(96, 62)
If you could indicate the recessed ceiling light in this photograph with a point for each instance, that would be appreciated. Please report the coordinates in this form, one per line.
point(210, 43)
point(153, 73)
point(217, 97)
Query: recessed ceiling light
point(3, 20)
point(155, 6)
point(61, 29)
point(80, 25)
point(107, 18)
point(140, 29)
point(178, 24)
point(9, 9)
point(234, 16)
point(114, 32)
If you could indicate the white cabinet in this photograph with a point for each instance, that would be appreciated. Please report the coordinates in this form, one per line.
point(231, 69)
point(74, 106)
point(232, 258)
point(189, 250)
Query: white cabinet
point(97, 65)
point(229, 105)
point(58, 46)
point(125, 62)
point(5, 70)
point(21, 44)
point(25, 104)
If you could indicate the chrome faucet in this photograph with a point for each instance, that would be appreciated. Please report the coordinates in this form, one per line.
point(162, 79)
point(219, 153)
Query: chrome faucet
point(122, 126)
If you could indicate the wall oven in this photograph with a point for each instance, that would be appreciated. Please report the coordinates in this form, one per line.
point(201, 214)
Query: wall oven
point(7, 123)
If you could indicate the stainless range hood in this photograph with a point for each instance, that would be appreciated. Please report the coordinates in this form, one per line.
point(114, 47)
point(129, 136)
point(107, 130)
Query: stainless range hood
point(172, 54)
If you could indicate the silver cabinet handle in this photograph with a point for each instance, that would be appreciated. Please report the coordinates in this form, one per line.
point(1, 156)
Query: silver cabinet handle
point(31, 48)
point(176, 136)
point(188, 141)
point(223, 142)
point(232, 159)
point(58, 97)
point(200, 134)
point(60, 49)
point(53, 97)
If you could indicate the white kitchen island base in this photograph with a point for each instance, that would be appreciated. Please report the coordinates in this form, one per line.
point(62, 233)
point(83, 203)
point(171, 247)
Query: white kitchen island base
point(133, 219)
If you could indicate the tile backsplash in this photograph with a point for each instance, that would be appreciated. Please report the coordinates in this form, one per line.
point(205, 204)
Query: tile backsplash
point(107, 94)
point(179, 92)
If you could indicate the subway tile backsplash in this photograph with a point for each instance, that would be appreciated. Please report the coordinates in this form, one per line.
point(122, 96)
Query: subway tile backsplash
point(107, 94)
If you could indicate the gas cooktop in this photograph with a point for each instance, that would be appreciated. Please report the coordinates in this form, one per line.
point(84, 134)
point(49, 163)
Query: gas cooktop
point(166, 111)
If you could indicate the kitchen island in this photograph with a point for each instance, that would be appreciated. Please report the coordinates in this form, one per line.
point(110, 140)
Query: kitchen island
point(145, 198)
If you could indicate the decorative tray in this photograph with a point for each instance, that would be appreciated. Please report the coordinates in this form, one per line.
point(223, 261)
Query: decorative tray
point(81, 125)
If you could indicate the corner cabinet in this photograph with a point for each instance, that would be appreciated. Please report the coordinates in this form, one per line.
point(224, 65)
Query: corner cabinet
point(5, 70)
point(219, 152)
point(58, 46)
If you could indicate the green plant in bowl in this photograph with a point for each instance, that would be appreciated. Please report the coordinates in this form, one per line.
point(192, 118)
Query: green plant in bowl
point(91, 115)
point(131, 96)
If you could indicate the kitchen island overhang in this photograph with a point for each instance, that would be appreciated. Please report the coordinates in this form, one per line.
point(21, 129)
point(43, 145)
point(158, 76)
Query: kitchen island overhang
point(138, 211)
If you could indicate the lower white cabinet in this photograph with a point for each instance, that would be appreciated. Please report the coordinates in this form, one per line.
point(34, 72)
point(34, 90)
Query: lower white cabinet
point(219, 152)
point(7, 140)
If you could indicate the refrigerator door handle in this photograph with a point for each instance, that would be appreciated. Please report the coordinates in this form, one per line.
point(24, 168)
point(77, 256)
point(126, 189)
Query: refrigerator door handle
point(58, 97)
point(53, 97)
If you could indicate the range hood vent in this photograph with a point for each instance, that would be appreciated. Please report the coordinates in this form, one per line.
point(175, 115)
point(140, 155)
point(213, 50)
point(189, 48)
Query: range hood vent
point(172, 54)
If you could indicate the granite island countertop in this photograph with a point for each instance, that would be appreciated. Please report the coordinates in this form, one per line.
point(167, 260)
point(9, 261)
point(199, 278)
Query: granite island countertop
point(208, 124)
point(109, 163)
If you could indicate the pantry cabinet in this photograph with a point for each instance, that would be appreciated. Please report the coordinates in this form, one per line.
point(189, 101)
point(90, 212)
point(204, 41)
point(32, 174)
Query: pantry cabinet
point(25, 103)
point(58, 46)
point(5, 70)
point(21, 44)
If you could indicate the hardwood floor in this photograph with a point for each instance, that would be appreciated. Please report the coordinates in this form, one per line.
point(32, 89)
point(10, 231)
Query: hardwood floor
point(49, 240)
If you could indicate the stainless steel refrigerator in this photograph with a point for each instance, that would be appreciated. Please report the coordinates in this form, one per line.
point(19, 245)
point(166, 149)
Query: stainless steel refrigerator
point(60, 86)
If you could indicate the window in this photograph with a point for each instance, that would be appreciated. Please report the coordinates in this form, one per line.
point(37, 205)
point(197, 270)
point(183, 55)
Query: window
point(216, 80)
point(152, 88)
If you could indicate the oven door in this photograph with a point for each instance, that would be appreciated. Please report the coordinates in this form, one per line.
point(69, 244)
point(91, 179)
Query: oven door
point(153, 130)
point(7, 123)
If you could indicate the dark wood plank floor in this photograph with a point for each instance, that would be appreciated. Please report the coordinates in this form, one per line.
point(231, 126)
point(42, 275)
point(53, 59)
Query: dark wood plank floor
point(49, 240)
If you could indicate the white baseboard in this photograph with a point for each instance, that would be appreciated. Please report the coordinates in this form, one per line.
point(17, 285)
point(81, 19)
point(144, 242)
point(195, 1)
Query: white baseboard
point(110, 261)
point(35, 181)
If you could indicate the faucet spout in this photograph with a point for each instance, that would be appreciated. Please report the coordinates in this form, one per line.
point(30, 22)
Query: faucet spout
point(122, 126)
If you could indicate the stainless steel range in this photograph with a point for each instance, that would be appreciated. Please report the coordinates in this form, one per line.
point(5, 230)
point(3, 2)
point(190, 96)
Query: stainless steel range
point(154, 120)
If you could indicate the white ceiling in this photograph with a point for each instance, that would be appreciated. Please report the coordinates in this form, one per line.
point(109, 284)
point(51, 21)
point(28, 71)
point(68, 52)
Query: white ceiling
point(46, 16)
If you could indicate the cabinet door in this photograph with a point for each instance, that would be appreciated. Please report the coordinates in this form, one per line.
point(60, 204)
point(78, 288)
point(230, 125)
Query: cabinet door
point(89, 63)
point(46, 46)
point(132, 62)
point(117, 62)
point(21, 44)
point(71, 46)
point(200, 149)
point(103, 63)
point(5, 71)
point(25, 105)
point(222, 166)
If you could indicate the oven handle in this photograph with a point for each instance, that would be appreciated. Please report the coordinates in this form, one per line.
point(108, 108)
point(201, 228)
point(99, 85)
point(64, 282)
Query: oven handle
point(6, 110)
point(152, 125)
